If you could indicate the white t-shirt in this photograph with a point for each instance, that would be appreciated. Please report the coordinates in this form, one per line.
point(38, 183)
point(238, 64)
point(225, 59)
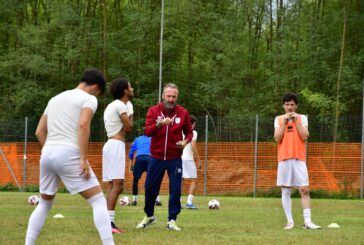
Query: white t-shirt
point(187, 151)
point(112, 113)
point(63, 116)
point(304, 122)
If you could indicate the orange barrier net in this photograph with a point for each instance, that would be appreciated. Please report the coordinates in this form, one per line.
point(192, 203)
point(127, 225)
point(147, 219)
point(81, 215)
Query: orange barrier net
point(230, 169)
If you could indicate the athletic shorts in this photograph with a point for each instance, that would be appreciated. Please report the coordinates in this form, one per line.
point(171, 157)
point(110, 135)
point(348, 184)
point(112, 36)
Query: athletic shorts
point(292, 173)
point(62, 163)
point(113, 160)
point(189, 169)
point(140, 166)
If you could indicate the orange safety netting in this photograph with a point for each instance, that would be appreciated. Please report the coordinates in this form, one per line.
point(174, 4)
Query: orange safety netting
point(230, 169)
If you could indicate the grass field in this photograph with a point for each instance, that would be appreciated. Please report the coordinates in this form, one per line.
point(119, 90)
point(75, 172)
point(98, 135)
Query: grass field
point(240, 220)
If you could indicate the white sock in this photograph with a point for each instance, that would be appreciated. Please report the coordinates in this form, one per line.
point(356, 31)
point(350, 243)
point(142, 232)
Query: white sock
point(157, 199)
point(287, 203)
point(307, 215)
point(112, 215)
point(37, 220)
point(134, 198)
point(190, 199)
point(101, 218)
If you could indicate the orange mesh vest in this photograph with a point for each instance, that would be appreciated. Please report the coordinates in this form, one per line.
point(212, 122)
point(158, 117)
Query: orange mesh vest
point(291, 146)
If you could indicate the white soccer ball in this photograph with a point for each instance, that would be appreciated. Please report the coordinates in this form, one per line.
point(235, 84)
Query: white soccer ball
point(33, 200)
point(214, 204)
point(124, 201)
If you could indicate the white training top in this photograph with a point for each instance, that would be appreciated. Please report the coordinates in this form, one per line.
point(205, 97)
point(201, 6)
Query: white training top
point(112, 113)
point(187, 151)
point(63, 116)
point(304, 122)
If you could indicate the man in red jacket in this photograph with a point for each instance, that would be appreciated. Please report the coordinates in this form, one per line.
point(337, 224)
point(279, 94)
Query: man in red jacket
point(165, 123)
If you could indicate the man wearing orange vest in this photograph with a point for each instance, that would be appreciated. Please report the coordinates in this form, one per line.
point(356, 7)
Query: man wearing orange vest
point(291, 132)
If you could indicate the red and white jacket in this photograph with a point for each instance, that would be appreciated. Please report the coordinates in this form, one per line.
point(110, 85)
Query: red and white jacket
point(165, 137)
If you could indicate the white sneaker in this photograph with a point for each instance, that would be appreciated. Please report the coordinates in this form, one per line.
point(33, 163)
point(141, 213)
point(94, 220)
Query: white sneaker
point(311, 226)
point(147, 221)
point(289, 226)
point(171, 225)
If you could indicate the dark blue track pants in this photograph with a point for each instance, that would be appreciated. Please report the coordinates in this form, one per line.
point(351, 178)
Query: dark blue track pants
point(156, 170)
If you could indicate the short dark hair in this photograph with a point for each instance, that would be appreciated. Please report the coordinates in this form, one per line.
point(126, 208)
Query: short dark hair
point(93, 76)
point(118, 86)
point(193, 119)
point(289, 97)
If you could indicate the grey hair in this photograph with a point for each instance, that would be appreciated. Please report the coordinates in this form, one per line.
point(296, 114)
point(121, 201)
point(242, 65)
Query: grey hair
point(170, 85)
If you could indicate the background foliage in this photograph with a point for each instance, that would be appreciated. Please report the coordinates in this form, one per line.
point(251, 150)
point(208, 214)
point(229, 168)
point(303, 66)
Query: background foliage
point(229, 58)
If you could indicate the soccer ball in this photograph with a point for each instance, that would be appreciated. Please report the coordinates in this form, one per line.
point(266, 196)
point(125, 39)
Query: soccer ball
point(214, 204)
point(124, 201)
point(33, 200)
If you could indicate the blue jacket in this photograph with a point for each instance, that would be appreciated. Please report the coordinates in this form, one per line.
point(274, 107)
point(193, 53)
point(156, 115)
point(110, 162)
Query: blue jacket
point(141, 145)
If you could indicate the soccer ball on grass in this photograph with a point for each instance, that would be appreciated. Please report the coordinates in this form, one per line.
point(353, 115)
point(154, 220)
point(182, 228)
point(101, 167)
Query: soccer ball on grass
point(124, 201)
point(214, 204)
point(33, 200)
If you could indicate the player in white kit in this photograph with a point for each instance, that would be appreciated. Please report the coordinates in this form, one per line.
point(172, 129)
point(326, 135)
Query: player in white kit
point(190, 159)
point(64, 131)
point(118, 119)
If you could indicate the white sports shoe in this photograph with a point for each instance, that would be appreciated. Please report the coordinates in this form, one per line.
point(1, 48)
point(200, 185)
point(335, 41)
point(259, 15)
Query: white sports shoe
point(147, 221)
point(311, 226)
point(289, 226)
point(171, 225)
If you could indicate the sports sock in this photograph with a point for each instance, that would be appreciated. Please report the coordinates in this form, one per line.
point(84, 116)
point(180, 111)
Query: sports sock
point(157, 199)
point(134, 198)
point(287, 203)
point(135, 186)
point(190, 199)
point(37, 220)
point(307, 215)
point(112, 215)
point(101, 218)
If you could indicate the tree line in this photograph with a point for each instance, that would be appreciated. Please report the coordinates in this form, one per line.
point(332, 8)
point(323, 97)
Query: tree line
point(229, 58)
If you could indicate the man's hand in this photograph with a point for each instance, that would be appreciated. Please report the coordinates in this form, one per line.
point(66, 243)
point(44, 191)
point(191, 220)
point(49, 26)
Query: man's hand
point(131, 168)
point(286, 117)
point(293, 116)
point(181, 144)
point(164, 121)
point(85, 169)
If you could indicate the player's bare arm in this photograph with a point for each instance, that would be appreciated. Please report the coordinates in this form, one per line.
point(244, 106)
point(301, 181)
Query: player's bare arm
point(127, 122)
point(302, 131)
point(83, 139)
point(42, 131)
point(279, 132)
point(196, 156)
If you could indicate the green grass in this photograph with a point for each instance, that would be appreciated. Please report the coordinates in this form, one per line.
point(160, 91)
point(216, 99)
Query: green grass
point(240, 220)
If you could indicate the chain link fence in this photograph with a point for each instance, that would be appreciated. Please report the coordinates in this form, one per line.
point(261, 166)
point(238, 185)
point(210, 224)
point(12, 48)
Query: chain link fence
point(239, 153)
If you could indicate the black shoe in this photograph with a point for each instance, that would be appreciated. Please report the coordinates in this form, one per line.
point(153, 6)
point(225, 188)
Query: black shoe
point(134, 203)
point(158, 203)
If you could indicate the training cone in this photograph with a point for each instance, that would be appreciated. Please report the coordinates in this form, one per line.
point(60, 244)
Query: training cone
point(333, 225)
point(58, 216)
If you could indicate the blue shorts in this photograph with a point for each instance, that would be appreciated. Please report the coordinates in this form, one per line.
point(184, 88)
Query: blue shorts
point(141, 165)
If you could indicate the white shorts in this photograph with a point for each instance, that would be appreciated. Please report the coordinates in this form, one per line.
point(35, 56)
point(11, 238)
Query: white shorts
point(292, 173)
point(62, 163)
point(113, 160)
point(189, 169)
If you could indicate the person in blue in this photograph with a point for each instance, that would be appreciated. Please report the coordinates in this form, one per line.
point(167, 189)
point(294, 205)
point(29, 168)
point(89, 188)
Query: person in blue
point(141, 146)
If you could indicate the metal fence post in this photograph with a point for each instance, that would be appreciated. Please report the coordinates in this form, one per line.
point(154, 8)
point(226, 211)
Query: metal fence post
point(206, 154)
point(306, 145)
point(25, 153)
point(256, 152)
point(362, 150)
